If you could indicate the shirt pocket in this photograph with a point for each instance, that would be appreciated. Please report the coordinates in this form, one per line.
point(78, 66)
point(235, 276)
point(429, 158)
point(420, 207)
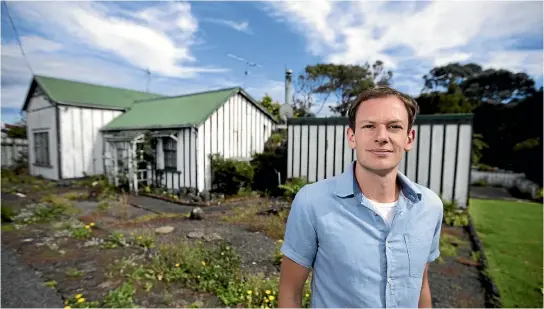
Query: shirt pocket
point(418, 247)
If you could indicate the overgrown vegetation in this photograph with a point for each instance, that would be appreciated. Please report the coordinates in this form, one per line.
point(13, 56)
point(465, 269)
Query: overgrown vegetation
point(230, 176)
point(214, 269)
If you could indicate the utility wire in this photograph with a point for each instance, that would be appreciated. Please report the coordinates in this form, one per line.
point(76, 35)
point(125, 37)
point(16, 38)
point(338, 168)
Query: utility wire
point(18, 38)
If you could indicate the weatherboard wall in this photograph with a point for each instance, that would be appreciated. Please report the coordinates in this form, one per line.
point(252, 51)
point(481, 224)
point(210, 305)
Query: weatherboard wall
point(81, 140)
point(41, 117)
point(186, 173)
point(440, 158)
point(236, 130)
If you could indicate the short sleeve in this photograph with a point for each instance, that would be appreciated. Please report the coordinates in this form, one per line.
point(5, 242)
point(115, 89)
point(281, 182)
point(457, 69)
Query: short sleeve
point(435, 246)
point(300, 241)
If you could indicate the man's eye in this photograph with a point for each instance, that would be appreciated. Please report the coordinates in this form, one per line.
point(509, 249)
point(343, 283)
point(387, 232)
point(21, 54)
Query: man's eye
point(367, 126)
point(396, 126)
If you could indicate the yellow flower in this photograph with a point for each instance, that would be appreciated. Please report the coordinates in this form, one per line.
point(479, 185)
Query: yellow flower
point(91, 224)
point(249, 292)
point(280, 241)
point(67, 307)
point(203, 263)
point(271, 297)
point(139, 237)
point(267, 291)
point(87, 227)
point(177, 265)
point(81, 300)
point(265, 300)
point(78, 296)
point(307, 295)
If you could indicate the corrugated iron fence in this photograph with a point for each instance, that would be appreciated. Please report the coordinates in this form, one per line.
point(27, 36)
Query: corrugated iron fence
point(439, 160)
point(13, 148)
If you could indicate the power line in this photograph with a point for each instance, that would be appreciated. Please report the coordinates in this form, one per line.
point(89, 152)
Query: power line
point(18, 38)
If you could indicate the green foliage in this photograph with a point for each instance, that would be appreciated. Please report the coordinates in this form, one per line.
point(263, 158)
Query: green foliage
point(229, 176)
point(7, 213)
point(343, 82)
point(478, 145)
point(122, 297)
point(272, 107)
point(269, 163)
point(292, 186)
point(82, 232)
point(454, 216)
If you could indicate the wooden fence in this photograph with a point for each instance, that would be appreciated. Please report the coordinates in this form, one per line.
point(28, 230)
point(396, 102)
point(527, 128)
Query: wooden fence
point(12, 148)
point(439, 160)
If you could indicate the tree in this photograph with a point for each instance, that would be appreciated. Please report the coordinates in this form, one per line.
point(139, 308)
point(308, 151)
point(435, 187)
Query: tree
point(497, 86)
point(344, 82)
point(447, 78)
point(271, 106)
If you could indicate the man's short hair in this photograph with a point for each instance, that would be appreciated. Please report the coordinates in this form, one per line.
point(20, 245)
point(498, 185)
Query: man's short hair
point(383, 92)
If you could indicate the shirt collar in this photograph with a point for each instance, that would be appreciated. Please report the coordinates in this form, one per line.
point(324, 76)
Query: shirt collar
point(346, 185)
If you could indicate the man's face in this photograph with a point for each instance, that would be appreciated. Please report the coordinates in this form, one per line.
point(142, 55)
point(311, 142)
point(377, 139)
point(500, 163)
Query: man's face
point(381, 134)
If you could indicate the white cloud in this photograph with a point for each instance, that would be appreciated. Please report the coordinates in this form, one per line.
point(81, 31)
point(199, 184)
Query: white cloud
point(159, 37)
point(435, 32)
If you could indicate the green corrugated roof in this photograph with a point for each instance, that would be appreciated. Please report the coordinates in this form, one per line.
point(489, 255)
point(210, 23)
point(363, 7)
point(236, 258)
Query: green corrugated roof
point(171, 112)
point(84, 94)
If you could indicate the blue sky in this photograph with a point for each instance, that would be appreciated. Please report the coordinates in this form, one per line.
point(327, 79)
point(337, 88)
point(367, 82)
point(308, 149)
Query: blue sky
point(185, 44)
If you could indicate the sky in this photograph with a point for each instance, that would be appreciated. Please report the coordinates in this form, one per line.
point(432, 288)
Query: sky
point(186, 45)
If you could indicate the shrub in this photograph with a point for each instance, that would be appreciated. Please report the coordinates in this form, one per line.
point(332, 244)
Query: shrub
point(269, 163)
point(229, 176)
point(292, 186)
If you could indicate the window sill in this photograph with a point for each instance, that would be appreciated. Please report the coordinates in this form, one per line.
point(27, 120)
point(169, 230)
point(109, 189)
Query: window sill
point(43, 165)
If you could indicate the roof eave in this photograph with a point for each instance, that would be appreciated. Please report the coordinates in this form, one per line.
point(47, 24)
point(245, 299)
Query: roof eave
point(155, 127)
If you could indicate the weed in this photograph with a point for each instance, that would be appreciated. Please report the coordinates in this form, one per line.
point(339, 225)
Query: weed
point(74, 273)
point(122, 297)
point(78, 301)
point(51, 283)
point(82, 232)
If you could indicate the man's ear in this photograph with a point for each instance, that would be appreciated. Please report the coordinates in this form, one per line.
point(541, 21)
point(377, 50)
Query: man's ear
point(350, 136)
point(410, 140)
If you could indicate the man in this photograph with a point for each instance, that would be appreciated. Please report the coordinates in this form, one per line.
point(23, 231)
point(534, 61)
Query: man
point(369, 233)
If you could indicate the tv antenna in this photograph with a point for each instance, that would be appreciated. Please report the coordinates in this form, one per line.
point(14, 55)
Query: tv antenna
point(248, 64)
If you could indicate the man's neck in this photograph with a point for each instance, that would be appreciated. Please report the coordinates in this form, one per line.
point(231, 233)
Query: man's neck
point(379, 188)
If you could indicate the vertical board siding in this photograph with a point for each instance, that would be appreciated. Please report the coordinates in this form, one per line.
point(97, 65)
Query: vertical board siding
point(12, 149)
point(237, 130)
point(81, 141)
point(439, 159)
point(41, 117)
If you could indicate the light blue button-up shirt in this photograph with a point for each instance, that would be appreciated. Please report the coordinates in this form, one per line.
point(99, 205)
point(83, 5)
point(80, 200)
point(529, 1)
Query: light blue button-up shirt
point(358, 260)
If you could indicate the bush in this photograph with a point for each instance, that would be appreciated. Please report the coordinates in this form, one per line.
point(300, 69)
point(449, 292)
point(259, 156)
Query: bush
point(292, 187)
point(269, 163)
point(229, 176)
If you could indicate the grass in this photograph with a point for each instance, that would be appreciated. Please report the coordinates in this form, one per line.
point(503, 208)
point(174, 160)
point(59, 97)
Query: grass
point(511, 233)
point(272, 225)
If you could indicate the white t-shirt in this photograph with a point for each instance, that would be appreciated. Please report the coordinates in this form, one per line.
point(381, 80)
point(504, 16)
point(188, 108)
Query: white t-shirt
point(385, 210)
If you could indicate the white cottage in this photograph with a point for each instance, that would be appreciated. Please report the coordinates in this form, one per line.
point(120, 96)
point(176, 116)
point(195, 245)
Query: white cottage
point(73, 128)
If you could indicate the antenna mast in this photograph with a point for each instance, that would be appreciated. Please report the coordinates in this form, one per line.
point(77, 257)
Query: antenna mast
point(248, 64)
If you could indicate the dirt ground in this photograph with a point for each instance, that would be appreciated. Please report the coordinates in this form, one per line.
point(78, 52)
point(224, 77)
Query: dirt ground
point(73, 266)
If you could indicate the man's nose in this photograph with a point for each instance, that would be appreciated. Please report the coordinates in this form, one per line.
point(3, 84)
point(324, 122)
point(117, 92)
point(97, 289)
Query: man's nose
point(381, 134)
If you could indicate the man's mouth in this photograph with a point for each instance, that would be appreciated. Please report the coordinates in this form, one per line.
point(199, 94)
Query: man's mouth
point(381, 151)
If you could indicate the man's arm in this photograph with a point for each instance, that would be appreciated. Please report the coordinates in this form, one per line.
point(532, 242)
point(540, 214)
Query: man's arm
point(292, 279)
point(425, 300)
point(299, 249)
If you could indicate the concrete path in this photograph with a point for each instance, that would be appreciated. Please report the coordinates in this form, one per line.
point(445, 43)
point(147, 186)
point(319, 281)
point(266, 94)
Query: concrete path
point(22, 287)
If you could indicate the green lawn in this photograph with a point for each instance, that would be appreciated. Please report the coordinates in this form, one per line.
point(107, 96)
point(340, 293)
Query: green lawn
point(511, 233)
